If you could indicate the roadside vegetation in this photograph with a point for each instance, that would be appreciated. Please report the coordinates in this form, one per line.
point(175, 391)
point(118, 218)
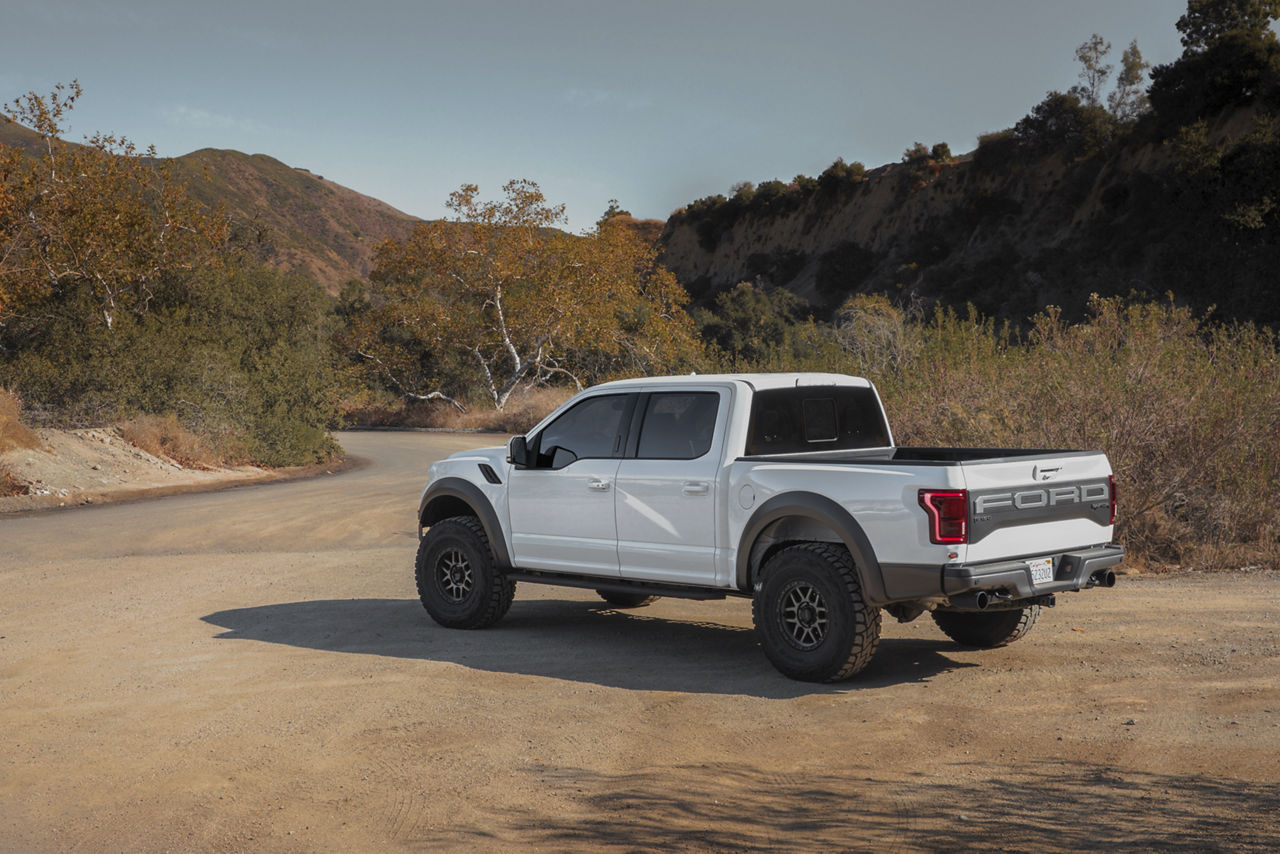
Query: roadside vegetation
point(124, 301)
point(122, 297)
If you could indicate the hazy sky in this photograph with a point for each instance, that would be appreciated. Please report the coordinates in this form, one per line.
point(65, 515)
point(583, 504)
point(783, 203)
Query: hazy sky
point(653, 102)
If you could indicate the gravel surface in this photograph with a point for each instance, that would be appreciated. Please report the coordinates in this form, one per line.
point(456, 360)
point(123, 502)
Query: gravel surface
point(251, 670)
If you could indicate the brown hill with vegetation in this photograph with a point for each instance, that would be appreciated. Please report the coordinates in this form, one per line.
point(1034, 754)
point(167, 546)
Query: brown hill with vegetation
point(1010, 231)
point(298, 221)
point(1173, 189)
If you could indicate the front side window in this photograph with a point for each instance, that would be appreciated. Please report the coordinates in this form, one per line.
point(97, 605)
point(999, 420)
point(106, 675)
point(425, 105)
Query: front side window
point(591, 429)
point(678, 425)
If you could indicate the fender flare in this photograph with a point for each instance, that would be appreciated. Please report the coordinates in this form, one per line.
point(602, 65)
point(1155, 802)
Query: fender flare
point(826, 512)
point(469, 494)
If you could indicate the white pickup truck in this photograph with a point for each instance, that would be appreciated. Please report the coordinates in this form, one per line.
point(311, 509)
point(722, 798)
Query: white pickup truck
point(785, 488)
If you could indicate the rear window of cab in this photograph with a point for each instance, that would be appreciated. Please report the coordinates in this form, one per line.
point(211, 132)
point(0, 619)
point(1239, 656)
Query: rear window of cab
point(815, 418)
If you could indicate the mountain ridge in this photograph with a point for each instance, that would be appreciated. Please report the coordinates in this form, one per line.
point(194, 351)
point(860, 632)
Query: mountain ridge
point(296, 220)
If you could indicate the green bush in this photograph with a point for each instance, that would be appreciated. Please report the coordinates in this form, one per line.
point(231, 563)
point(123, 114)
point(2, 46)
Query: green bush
point(239, 355)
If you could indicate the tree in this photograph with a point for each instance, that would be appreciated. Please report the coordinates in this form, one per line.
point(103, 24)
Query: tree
point(1207, 21)
point(503, 292)
point(1231, 57)
point(610, 212)
point(917, 152)
point(1094, 71)
point(101, 217)
point(1061, 123)
point(749, 324)
point(1128, 101)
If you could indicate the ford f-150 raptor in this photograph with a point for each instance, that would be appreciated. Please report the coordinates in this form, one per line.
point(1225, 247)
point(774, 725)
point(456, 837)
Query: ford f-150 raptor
point(785, 488)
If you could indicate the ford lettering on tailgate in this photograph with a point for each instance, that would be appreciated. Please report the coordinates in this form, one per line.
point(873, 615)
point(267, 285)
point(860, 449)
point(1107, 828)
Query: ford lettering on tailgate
point(990, 509)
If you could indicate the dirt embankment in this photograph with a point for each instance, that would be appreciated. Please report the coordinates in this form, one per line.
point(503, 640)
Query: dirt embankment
point(70, 467)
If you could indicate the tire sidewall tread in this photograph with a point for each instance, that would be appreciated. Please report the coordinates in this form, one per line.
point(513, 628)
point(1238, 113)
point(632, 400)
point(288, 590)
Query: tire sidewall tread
point(854, 633)
point(492, 592)
point(987, 629)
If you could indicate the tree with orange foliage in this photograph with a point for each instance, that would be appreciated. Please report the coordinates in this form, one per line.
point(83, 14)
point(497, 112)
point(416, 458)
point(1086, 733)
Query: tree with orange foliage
point(100, 217)
point(504, 294)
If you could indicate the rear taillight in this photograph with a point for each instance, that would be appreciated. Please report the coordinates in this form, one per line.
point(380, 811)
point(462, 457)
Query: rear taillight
point(1111, 479)
point(948, 511)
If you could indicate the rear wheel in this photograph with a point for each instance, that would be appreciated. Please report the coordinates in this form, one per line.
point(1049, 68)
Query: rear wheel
point(813, 621)
point(987, 629)
point(619, 599)
point(458, 583)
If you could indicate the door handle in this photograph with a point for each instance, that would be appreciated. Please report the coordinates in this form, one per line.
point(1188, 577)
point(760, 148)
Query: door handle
point(598, 485)
point(696, 487)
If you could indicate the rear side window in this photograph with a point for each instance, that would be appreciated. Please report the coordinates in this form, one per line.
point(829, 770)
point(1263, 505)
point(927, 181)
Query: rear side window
point(816, 418)
point(678, 425)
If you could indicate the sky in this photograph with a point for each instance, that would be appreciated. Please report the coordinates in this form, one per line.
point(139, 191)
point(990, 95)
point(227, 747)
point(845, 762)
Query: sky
point(654, 103)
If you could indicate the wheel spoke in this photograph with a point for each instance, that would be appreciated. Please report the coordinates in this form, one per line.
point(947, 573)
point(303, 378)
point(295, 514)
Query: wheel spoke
point(803, 615)
point(453, 571)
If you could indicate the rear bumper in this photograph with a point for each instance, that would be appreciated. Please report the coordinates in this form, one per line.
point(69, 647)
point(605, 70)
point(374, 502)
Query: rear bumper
point(1074, 570)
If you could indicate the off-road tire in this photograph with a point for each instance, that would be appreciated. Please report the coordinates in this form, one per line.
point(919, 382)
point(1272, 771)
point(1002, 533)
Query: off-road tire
point(814, 624)
point(619, 599)
point(458, 583)
point(987, 629)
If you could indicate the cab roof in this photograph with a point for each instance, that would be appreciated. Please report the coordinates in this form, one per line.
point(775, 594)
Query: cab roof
point(758, 382)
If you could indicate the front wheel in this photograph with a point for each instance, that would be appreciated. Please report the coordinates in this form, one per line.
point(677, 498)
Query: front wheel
point(458, 583)
point(987, 629)
point(813, 621)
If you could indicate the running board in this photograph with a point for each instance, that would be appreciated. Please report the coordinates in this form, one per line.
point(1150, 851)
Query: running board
point(615, 585)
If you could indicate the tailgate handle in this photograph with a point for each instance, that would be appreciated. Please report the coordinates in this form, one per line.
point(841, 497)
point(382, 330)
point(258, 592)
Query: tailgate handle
point(1041, 473)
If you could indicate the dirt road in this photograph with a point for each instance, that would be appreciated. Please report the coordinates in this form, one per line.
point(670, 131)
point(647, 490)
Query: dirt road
point(251, 670)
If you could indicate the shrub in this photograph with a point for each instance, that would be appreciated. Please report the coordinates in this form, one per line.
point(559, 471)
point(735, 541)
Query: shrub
point(239, 355)
point(996, 151)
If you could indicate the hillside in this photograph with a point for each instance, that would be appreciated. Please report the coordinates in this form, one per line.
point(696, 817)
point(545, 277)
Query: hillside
point(1009, 234)
point(299, 221)
point(1177, 192)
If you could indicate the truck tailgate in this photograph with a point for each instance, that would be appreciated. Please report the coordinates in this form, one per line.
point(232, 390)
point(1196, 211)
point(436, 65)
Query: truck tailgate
point(1037, 505)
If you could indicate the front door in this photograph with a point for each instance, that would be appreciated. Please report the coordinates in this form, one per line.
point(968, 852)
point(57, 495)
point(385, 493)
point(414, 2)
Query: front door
point(562, 509)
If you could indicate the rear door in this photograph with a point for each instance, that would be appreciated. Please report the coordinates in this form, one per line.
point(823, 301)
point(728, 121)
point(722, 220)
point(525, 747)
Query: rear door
point(668, 487)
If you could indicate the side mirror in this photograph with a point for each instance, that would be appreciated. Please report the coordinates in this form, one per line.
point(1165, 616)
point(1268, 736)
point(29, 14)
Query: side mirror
point(518, 452)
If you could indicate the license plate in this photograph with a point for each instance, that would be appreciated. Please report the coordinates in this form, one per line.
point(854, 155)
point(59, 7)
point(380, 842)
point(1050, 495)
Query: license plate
point(1041, 570)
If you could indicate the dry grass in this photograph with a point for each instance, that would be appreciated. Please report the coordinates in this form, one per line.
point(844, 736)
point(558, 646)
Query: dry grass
point(522, 412)
point(13, 433)
point(1188, 413)
point(164, 436)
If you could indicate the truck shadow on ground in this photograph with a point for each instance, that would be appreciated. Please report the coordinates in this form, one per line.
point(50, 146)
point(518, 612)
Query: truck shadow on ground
point(1038, 806)
point(571, 640)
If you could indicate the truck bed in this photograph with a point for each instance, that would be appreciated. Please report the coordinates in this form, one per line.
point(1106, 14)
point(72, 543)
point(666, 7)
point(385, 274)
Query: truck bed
point(921, 456)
